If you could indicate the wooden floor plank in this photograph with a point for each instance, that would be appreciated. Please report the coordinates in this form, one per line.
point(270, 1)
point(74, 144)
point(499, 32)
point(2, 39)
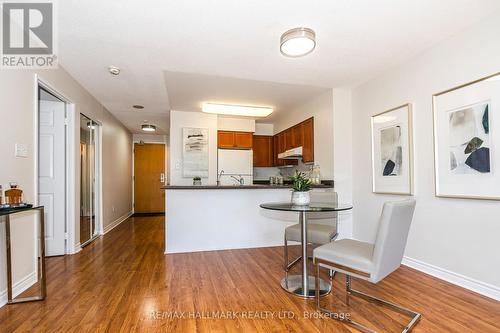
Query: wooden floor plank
point(124, 283)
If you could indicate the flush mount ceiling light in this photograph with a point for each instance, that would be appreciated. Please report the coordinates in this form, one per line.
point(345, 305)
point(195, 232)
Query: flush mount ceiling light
point(148, 128)
point(137, 106)
point(237, 110)
point(297, 42)
point(113, 70)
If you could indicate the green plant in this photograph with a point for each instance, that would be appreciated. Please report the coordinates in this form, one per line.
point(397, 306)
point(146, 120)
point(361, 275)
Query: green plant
point(196, 178)
point(300, 183)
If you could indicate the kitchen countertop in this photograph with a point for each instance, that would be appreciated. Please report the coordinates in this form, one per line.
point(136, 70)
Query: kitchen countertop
point(255, 186)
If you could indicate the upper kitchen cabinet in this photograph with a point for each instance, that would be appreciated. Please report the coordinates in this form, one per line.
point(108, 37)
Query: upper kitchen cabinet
point(281, 145)
point(234, 140)
point(308, 141)
point(300, 135)
point(289, 140)
point(243, 140)
point(263, 151)
point(297, 135)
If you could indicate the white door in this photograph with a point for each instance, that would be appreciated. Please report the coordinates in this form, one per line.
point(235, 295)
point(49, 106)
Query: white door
point(51, 173)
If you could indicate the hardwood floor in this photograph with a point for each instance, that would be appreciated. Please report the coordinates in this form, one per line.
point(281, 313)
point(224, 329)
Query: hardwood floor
point(123, 282)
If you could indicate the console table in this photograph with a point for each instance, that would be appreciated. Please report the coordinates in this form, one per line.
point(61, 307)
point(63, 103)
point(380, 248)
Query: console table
point(43, 282)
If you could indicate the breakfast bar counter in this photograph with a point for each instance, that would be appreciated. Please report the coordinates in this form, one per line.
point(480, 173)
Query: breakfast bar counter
point(225, 217)
point(239, 187)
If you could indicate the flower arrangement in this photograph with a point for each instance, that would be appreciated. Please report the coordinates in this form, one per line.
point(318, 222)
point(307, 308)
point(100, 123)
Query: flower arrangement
point(301, 186)
point(300, 183)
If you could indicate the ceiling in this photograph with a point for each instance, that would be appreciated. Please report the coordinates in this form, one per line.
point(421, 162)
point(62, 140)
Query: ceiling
point(187, 92)
point(356, 40)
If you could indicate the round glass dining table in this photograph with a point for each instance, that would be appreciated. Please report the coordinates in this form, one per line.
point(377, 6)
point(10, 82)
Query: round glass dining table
point(303, 285)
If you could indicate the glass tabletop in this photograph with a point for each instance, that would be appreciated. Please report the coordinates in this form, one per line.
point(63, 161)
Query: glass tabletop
point(13, 210)
point(312, 207)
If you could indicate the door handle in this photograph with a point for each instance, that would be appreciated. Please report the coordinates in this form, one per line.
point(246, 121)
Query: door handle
point(162, 178)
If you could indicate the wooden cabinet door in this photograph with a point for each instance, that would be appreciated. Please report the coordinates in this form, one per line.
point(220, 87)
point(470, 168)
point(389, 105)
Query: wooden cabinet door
point(276, 150)
point(225, 139)
point(298, 135)
point(288, 136)
point(281, 147)
point(308, 141)
point(243, 140)
point(263, 151)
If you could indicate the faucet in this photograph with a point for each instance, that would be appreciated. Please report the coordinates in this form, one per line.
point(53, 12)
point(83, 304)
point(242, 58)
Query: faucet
point(240, 180)
point(219, 176)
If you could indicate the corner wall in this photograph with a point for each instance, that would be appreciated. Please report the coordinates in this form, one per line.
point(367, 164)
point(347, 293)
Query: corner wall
point(17, 125)
point(455, 238)
point(321, 108)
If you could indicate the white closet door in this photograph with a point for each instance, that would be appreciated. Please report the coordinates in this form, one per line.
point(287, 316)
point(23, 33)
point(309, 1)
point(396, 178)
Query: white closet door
point(51, 188)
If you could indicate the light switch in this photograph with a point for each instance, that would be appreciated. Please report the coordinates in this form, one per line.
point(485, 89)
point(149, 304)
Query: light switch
point(177, 165)
point(21, 150)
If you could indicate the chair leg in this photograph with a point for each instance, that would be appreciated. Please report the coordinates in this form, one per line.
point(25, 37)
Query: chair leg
point(415, 316)
point(329, 313)
point(331, 272)
point(351, 292)
point(286, 265)
point(285, 254)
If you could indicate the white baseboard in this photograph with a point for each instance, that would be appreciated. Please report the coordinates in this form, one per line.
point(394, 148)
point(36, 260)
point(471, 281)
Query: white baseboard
point(77, 248)
point(19, 287)
point(477, 286)
point(116, 222)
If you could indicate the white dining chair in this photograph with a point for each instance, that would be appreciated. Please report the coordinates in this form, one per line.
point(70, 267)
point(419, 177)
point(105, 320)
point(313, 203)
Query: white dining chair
point(321, 229)
point(370, 262)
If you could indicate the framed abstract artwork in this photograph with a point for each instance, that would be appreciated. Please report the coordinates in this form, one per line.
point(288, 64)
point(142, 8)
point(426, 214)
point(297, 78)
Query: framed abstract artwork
point(466, 140)
point(194, 152)
point(392, 169)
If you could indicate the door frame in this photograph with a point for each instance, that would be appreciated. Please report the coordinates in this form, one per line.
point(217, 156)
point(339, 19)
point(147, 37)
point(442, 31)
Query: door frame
point(69, 177)
point(98, 183)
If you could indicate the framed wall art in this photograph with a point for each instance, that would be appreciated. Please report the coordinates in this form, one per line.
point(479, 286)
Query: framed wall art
point(466, 140)
point(392, 169)
point(194, 152)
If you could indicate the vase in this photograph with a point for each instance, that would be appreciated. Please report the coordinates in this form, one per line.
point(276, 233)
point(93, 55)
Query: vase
point(301, 198)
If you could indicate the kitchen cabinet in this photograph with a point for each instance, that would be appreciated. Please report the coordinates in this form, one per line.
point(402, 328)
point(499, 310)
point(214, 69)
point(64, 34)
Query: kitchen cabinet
point(243, 140)
point(234, 140)
point(276, 149)
point(300, 135)
point(289, 141)
point(225, 139)
point(263, 151)
point(283, 138)
point(308, 141)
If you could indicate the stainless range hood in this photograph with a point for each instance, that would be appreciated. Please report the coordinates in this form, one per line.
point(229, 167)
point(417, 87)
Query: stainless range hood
point(291, 154)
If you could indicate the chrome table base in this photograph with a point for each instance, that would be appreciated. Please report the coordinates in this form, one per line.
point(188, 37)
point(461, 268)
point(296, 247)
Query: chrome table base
point(293, 284)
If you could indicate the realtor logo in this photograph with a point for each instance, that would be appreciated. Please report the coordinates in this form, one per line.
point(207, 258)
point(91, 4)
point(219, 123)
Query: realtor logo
point(28, 35)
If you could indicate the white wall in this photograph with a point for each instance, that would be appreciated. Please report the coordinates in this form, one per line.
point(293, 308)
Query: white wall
point(321, 108)
point(17, 125)
point(264, 129)
point(179, 120)
point(456, 236)
point(225, 123)
point(342, 155)
point(149, 138)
